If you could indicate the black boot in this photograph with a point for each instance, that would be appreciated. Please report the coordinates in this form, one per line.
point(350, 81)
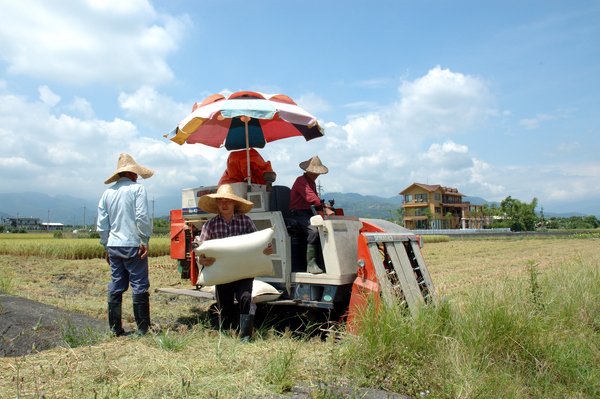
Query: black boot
point(114, 313)
point(246, 326)
point(141, 312)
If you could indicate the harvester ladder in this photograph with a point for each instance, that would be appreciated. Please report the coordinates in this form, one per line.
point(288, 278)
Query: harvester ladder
point(400, 269)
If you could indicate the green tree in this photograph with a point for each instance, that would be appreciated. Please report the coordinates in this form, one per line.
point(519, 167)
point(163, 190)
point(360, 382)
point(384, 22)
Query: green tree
point(427, 212)
point(591, 222)
point(162, 226)
point(521, 216)
point(449, 216)
point(397, 216)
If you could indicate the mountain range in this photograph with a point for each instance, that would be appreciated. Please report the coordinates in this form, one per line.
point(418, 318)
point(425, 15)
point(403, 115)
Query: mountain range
point(70, 210)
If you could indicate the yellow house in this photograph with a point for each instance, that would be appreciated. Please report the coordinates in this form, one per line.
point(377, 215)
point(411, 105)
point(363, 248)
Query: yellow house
point(437, 207)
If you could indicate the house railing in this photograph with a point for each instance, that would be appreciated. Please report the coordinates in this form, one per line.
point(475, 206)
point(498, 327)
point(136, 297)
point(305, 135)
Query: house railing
point(459, 231)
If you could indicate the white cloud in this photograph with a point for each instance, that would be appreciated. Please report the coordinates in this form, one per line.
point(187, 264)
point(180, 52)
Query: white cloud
point(48, 97)
point(154, 110)
point(82, 42)
point(534, 123)
point(381, 152)
point(313, 103)
point(70, 155)
point(444, 102)
point(82, 106)
point(564, 149)
point(448, 156)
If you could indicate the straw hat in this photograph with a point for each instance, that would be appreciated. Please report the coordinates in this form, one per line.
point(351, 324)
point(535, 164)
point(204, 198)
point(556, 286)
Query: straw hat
point(314, 165)
point(208, 202)
point(127, 164)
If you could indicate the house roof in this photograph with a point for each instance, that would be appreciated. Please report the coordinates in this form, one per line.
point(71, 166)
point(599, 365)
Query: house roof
point(433, 187)
point(427, 187)
point(453, 191)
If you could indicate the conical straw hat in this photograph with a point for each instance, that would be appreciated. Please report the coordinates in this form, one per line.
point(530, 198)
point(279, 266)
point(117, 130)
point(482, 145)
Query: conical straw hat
point(208, 202)
point(314, 165)
point(127, 164)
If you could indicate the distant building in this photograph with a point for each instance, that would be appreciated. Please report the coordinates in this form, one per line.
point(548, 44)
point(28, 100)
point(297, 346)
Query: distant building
point(52, 226)
point(29, 224)
point(437, 207)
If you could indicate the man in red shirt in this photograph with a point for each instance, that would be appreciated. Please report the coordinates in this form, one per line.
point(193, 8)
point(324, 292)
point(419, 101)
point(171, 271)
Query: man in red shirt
point(302, 196)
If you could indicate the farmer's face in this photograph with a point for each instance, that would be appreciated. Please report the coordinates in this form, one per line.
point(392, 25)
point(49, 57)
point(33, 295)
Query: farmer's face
point(312, 176)
point(226, 207)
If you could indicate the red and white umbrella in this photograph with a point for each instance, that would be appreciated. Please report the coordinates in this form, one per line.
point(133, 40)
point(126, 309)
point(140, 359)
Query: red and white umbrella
point(243, 120)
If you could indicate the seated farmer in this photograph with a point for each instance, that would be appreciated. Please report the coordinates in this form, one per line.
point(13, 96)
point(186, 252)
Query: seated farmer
point(237, 168)
point(302, 196)
point(230, 221)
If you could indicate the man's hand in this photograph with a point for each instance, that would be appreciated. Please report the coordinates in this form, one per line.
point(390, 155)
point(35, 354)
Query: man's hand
point(143, 251)
point(268, 250)
point(204, 261)
point(328, 210)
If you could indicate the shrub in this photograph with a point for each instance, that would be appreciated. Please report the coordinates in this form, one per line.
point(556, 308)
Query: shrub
point(58, 234)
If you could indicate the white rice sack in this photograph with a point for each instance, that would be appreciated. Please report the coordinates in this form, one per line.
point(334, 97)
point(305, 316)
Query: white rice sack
point(236, 257)
point(261, 291)
point(264, 292)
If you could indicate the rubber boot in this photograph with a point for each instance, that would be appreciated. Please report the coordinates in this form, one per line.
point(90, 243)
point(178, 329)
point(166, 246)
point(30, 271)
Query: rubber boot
point(311, 260)
point(141, 312)
point(246, 326)
point(114, 313)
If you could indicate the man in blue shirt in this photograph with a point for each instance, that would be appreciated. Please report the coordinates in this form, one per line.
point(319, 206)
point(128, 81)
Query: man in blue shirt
point(124, 227)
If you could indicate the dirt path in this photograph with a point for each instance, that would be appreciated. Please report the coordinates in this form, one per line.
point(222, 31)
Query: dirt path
point(28, 327)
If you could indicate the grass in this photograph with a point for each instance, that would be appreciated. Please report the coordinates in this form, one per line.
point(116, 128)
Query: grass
point(76, 336)
point(6, 283)
point(46, 246)
point(515, 319)
point(433, 238)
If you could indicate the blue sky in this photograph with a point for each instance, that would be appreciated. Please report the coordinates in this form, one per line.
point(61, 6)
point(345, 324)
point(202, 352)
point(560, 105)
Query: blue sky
point(496, 98)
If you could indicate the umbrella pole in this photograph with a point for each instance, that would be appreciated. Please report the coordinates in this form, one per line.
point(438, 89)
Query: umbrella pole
point(247, 149)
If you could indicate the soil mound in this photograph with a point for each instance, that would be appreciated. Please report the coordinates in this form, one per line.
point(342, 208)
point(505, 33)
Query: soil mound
point(28, 326)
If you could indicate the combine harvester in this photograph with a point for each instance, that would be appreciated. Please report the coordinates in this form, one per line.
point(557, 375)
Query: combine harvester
point(361, 257)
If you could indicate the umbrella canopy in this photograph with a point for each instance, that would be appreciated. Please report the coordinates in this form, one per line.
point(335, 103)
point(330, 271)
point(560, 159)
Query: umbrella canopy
point(245, 119)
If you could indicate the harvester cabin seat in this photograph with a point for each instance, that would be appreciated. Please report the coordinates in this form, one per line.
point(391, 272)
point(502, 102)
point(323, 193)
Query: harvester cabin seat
point(280, 201)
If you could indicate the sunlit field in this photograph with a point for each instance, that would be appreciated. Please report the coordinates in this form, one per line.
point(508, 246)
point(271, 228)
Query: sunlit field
point(512, 319)
point(45, 245)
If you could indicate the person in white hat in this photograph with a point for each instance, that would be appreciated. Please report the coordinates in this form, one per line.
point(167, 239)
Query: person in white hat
point(302, 196)
point(125, 229)
point(231, 220)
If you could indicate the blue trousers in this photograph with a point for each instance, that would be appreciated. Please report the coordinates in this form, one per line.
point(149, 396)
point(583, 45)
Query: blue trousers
point(127, 267)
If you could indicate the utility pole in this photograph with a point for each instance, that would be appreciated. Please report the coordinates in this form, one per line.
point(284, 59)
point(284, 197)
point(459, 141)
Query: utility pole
point(152, 215)
point(17, 222)
point(48, 224)
point(84, 216)
point(319, 187)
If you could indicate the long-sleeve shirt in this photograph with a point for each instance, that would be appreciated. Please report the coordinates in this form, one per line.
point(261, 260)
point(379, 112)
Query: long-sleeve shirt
point(304, 194)
point(123, 219)
point(217, 227)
